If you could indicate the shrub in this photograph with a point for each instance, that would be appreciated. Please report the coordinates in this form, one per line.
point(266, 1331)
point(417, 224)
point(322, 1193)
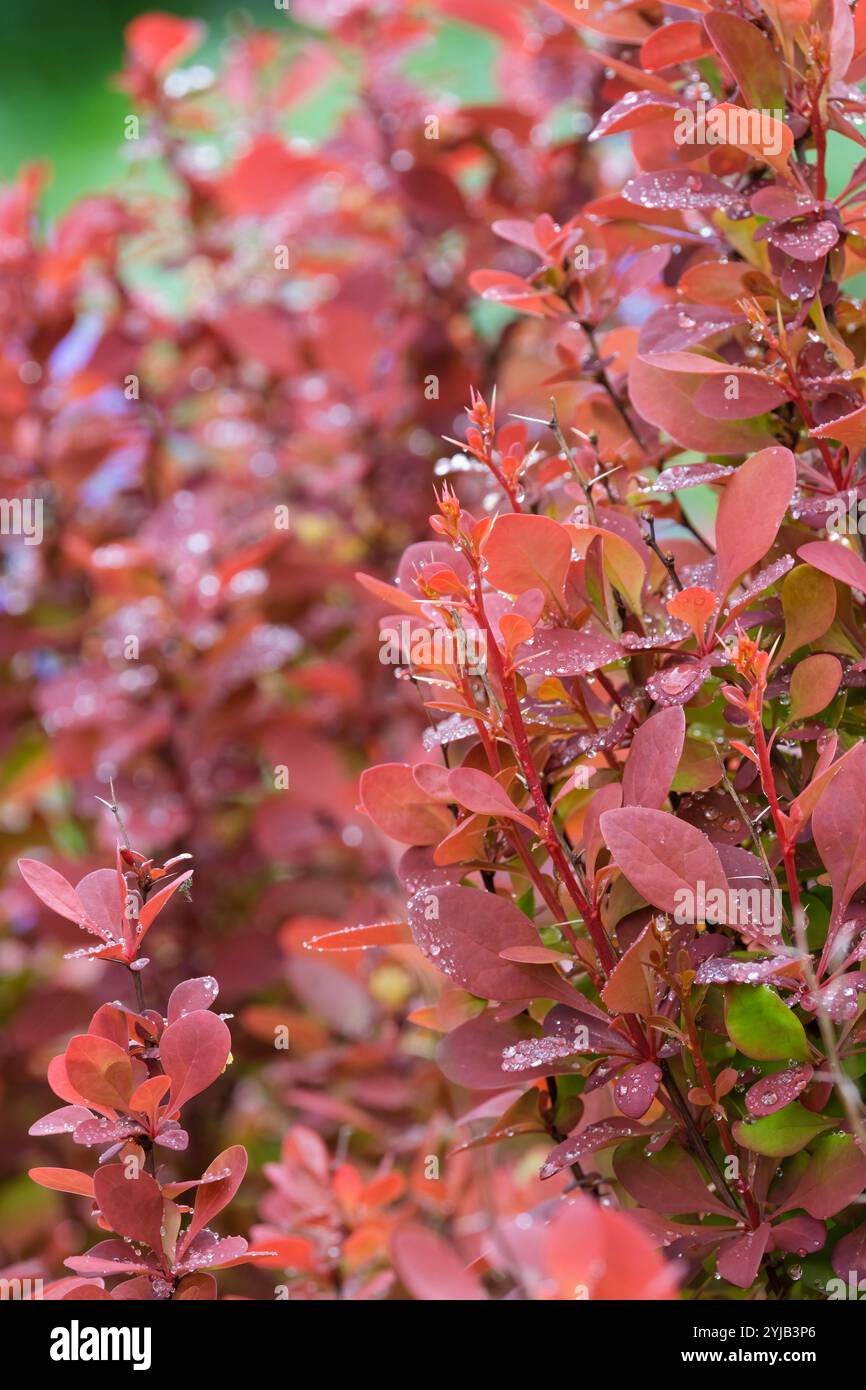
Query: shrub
point(635, 846)
point(126, 1082)
point(632, 828)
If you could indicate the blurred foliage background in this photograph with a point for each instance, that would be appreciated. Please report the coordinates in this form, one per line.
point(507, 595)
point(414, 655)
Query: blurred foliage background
point(57, 102)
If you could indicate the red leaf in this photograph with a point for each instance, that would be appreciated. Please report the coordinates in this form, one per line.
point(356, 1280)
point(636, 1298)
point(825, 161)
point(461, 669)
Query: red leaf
point(661, 856)
point(63, 1180)
point(97, 1132)
point(53, 890)
point(652, 761)
point(463, 930)
point(62, 1121)
point(132, 1206)
point(840, 999)
point(91, 1293)
point(431, 1270)
point(739, 1260)
point(633, 984)
point(667, 400)
point(681, 42)
point(197, 1286)
point(562, 652)
point(472, 1055)
point(103, 905)
point(58, 1080)
point(100, 1071)
point(850, 430)
point(147, 1098)
point(532, 955)
point(669, 1181)
point(635, 1089)
point(486, 14)
point(112, 1257)
point(839, 828)
point(773, 1092)
point(751, 58)
point(481, 793)
point(395, 802)
point(607, 798)
point(159, 41)
point(191, 995)
point(216, 1192)
point(285, 1252)
point(680, 189)
point(849, 1256)
point(590, 1140)
point(528, 552)
point(801, 1235)
point(503, 287)
point(361, 938)
point(265, 178)
point(751, 511)
point(154, 905)
point(834, 1177)
point(596, 1253)
point(814, 682)
point(633, 110)
point(193, 1052)
point(836, 560)
point(694, 606)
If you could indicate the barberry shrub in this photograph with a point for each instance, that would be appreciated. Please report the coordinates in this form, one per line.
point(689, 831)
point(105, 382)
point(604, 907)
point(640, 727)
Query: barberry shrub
point(634, 837)
point(125, 1083)
point(212, 455)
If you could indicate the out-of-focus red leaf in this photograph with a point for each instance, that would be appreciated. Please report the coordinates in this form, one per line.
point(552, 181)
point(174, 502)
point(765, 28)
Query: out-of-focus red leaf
point(431, 1269)
point(266, 177)
point(361, 938)
point(158, 41)
point(599, 1254)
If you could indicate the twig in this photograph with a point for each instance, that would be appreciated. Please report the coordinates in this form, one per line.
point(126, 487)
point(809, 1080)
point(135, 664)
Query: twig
point(697, 1140)
point(115, 811)
point(136, 974)
point(667, 560)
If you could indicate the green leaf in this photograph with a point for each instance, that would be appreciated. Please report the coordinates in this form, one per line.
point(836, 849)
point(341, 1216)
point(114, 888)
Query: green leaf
point(762, 1026)
point(786, 1132)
